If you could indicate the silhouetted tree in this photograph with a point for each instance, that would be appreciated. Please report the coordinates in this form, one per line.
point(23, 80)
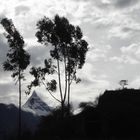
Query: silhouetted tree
point(123, 83)
point(17, 58)
point(68, 51)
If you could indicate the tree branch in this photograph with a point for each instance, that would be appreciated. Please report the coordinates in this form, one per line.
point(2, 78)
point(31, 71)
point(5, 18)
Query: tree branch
point(50, 92)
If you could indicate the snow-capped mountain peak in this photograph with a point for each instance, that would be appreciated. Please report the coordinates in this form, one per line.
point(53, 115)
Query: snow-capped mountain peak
point(36, 105)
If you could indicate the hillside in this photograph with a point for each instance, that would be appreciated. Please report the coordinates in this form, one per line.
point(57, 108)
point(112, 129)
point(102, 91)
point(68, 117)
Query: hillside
point(9, 121)
point(120, 112)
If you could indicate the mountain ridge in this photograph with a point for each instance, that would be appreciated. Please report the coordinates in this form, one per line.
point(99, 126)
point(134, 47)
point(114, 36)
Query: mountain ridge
point(36, 105)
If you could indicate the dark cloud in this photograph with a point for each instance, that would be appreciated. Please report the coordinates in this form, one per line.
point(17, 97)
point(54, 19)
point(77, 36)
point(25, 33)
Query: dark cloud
point(21, 10)
point(7, 88)
point(3, 48)
point(124, 3)
point(86, 81)
point(129, 29)
point(38, 54)
point(3, 51)
point(113, 3)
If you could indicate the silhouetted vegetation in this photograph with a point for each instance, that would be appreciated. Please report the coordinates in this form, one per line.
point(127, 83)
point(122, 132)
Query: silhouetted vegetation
point(123, 83)
point(120, 112)
point(17, 58)
point(67, 55)
point(116, 115)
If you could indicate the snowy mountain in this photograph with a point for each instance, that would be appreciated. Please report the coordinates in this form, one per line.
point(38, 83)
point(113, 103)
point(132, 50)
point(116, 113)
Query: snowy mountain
point(35, 105)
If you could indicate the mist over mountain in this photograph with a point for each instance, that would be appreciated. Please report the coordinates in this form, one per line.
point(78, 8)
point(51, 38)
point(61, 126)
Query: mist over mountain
point(37, 106)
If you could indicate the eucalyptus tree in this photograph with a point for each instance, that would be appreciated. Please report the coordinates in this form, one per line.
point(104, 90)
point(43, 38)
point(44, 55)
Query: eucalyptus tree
point(67, 55)
point(17, 58)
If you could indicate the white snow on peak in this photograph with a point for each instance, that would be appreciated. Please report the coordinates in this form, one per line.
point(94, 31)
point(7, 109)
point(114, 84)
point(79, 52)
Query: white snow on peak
point(35, 105)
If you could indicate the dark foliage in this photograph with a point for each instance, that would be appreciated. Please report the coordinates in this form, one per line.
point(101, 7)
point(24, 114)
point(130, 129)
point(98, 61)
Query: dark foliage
point(53, 127)
point(120, 112)
point(68, 49)
point(116, 116)
point(17, 58)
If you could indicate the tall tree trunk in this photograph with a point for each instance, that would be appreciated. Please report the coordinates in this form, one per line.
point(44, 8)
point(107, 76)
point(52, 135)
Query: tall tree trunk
point(60, 87)
point(19, 113)
point(62, 110)
point(69, 95)
point(68, 82)
point(59, 79)
point(66, 79)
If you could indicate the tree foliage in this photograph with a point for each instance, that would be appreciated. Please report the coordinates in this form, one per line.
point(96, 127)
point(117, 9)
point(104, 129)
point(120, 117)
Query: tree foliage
point(123, 83)
point(68, 51)
point(17, 58)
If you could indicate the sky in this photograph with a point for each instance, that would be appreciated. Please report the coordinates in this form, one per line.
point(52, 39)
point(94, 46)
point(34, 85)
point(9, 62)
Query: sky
point(111, 28)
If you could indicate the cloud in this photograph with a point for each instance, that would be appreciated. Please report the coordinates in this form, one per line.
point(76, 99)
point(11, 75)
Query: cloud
point(38, 54)
point(3, 47)
point(129, 54)
point(135, 83)
point(124, 3)
point(124, 59)
point(106, 1)
point(131, 49)
point(7, 88)
point(21, 10)
point(118, 32)
point(3, 51)
point(6, 99)
point(112, 21)
point(125, 29)
point(98, 53)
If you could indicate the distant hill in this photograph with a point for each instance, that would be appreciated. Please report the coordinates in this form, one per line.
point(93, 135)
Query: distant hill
point(9, 121)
